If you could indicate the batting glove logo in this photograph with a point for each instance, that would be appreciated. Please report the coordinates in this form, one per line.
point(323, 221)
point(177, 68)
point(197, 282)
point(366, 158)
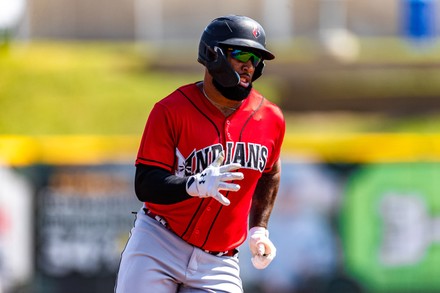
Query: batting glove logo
point(213, 179)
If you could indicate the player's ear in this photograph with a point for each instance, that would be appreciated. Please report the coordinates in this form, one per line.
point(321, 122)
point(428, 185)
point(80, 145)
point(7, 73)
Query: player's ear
point(210, 54)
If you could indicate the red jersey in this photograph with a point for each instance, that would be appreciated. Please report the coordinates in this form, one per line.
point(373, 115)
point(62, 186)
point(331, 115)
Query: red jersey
point(184, 133)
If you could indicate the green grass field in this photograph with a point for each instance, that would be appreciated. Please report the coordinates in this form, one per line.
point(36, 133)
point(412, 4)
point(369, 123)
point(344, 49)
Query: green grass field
point(51, 88)
point(74, 88)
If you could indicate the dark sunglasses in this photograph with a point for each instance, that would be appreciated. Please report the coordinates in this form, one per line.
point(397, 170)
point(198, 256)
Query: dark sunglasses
point(244, 56)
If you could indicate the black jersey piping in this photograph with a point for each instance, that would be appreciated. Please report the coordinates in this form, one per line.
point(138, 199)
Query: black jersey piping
point(201, 112)
point(213, 222)
point(249, 118)
point(219, 138)
point(192, 219)
point(221, 207)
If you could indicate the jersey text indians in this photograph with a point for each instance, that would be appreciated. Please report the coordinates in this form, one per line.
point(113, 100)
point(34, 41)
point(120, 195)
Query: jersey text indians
point(249, 155)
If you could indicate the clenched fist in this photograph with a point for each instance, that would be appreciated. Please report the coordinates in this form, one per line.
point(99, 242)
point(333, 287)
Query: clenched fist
point(262, 249)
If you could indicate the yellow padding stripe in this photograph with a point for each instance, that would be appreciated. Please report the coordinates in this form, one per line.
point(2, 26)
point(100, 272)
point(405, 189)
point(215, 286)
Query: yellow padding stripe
point(364, 148)
point(338, 148)
point(66, 150)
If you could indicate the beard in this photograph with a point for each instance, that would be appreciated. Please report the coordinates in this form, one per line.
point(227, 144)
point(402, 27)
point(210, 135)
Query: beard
point(235, 93)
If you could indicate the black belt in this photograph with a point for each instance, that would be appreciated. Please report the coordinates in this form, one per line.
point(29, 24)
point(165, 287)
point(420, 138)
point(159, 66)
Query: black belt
point(232, 252)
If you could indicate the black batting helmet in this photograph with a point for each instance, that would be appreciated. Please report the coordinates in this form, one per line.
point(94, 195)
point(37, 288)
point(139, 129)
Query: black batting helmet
point(231, 31)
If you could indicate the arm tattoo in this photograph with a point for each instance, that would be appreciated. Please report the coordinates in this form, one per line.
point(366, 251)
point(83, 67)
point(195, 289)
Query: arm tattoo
point(264, 197)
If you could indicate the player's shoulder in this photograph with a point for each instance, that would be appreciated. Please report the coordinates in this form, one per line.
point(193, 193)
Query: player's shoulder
point(178, 96)
point(267, 106)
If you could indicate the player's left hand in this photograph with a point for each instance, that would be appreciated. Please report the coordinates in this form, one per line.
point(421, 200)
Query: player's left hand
point(214, 178)
point(262, 249)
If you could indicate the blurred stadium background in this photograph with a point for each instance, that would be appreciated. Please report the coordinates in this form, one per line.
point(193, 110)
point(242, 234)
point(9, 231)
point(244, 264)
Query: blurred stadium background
point(359, 82)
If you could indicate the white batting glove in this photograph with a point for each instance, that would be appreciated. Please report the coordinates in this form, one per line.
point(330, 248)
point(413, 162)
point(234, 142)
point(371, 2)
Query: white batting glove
point(211, 180)
point(262, 249)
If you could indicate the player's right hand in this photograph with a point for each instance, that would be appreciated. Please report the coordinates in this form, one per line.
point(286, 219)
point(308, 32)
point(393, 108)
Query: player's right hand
point(210, 181)
point(262, 249)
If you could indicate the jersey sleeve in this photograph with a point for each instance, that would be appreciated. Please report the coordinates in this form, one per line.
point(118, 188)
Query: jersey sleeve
point(157, 147)
point(279, 129)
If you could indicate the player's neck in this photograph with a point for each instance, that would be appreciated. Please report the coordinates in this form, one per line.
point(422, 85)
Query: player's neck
point(226, 106)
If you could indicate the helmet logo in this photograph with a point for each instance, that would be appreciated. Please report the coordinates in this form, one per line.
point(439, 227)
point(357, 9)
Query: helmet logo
point(256, 32)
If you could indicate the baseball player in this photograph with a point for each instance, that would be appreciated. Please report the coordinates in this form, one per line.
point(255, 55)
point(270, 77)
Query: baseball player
point(207, 172)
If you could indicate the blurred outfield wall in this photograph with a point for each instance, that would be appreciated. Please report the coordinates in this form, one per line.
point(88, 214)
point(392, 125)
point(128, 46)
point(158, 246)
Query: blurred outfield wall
point(355, 211)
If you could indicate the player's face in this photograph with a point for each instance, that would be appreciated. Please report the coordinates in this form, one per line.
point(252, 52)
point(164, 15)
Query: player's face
point(244, 63)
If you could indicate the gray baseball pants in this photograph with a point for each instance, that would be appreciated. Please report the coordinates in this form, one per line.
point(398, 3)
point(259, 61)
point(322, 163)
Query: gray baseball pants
point(157, 260)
